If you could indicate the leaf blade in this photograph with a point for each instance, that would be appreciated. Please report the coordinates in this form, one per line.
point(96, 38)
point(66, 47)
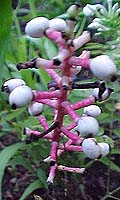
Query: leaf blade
point(5, 27)
point(5, 156)
point(33, 186)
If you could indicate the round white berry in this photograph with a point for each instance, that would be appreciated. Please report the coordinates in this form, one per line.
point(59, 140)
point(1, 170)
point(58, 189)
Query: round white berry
point(58, 24)
point(103, 67)
point(87, 125)
point(91, 148)
point(89, 9)
point(36, 27)
point(104, 148)
point(20, 97)
point(11, 84)
point(92, 110)
point(35, 108)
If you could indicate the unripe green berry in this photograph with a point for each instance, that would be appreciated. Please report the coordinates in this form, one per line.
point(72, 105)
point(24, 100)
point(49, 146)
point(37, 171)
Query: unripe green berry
point(11, 84)
point(36, 27)
point(35, 108)
point(87, 125)
point(73, 10)
point(20, 97)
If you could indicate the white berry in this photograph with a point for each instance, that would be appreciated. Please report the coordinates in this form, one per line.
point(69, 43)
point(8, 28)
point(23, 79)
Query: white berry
point(104, 148)
point(35, 108)
point(36, 27)
point(92, 110)
point(91, 148)
point(20, 97)
point(87, 125)
point(11, 84)
point(103, 67)
point(89, 10)
point(105, 94)
point(58, 24)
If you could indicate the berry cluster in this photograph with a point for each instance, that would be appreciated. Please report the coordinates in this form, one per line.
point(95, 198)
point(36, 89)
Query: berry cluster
point(81, 132)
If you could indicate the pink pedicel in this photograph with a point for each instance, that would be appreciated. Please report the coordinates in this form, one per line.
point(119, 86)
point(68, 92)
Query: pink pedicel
point(54, 147)
point(71, 148)
point(84, 62)
point(52, 174)
point(43, 122)
point(72, 126)
point(67, 108)
point(71, 169)
point(48, 102)
point(30, 132)
point(69, 134)
point(44, 63)
point(86, 102)
point(61, 70)
point(54, 75)
point(37, 95)
point(81, 40)
point(56, 37)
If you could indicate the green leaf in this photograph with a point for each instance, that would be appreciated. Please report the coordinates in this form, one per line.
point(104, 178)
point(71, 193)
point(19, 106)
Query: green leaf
point(109, 163)
point(33, 186)
point(5, 156)
point(42, 176)
point(115, 151)
point(50, 48)
point(5, 26)
point(13, 114)
point(60, 3)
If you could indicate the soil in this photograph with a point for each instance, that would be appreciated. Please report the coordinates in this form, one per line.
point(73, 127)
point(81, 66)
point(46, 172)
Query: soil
point(90, 186)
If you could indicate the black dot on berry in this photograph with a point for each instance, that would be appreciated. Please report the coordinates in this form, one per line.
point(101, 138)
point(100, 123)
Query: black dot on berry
point(14, 106)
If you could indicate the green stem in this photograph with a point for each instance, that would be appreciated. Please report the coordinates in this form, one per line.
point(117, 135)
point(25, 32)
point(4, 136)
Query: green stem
point(108, 178)
point(80, 30)
point(32, 8)
point(114, 191)
point(17, 25)
point(113, 197)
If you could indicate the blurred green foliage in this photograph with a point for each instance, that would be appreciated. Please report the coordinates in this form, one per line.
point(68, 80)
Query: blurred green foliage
point(17, 47)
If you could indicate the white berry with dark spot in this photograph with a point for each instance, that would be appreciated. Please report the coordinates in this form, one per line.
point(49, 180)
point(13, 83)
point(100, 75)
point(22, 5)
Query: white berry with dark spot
point(20, 97)
point(91, 148)
point(104, 148)
point(105, 94)
point(87, 125)
point(11, 84)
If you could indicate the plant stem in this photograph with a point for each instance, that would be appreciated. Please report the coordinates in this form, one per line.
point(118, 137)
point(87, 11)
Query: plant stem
point(115, 190)
point(32, 8)
point(114, 197)
point(80, 30)
point(17, 25)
